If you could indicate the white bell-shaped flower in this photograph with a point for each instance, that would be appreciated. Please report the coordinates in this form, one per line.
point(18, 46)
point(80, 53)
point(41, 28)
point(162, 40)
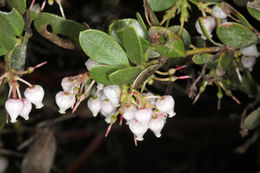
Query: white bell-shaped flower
point(112, 92)
point(129, 112)
point(13, 108)
point(64, 100)
point(218, 12)
point(3, 164)
point(27, 107)
point(94, 105)
point(250, 51)
point(91, 63)
point(35, 95)
point(209, 23)
point(156, 125)
point(248, 62)
point(107, 109)
point(143, 115)
point(166, 105)
point(69, 83)
point(137, 129)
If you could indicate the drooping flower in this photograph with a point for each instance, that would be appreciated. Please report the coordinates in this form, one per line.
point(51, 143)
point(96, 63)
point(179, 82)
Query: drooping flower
point(137, 129)
point(209, 23)
point(94, 105)
point(13, 107)
point(156, 125)
point(35, 95)
point(166, 105)
point(64, 100)
point(27, 107)
point(143, 115)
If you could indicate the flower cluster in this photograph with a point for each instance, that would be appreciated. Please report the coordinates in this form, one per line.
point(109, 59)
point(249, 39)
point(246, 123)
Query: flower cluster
point(33, 94)
point(141, 111)
point(74, 92)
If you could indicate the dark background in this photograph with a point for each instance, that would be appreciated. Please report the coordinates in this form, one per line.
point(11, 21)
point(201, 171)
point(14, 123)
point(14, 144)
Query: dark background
point(199, 139)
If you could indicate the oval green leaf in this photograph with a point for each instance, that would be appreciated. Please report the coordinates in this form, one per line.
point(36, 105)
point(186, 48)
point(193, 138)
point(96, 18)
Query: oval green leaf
point(252, 120)
point(133, 46)
point(161, 5)
point(102, 48)
point(124, 76)
point(236, 35)
point(12, 25)
point(100, 73)
point(117, 28)
point(254, 9)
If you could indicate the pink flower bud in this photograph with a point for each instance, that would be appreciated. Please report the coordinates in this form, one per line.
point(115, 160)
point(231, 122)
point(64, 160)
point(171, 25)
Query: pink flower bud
point(143, 115)
point(35, 95)
point(166, 105)
point(156, 125)
point(94, 105)
point(13, 108)
point(107, 109)
point(64, 100)
point(27, 107)
point(69, 83)
point(218, 12)
point(91, 63)
point(209, 23)
point(129, 112)
point(137, 129)
point(112, 92)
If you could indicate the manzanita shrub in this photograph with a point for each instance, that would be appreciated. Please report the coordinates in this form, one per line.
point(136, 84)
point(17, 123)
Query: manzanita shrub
point(132, 54)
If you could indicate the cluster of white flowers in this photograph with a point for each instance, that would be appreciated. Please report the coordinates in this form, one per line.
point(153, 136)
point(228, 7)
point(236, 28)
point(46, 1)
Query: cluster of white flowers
point(22, 106)
point(73, 87)
point(141, 111)
point(33, 94)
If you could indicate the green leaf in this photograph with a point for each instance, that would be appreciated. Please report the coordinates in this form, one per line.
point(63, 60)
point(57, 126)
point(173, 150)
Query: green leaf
point(185, 36)
point(18, 56)
point(12, 25)
point(2, 51)
point(141, 23)
point(19, 5)
point(117, 28)
point(201, 58)
point(254, 9)
point(124, 76)
point(161, 5)
point(252, 120)
point(236, 35)
point(59, 25)
point(133, 46)
point(166, 42)
point(102, 48)
point(225, 62)
point(100, 73)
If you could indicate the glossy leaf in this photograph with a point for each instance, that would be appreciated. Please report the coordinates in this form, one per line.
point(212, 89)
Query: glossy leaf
point(103, 48)
point(185, 36)
point(124, 76)
point(100, 73)
point(254, 9)
point(19, 5)
point(167, 42)
point(133, 46)
point(161, 5)
point(236, 35)
point(117, 28)
point(12, 25)
point(252, 120)
point(59, 25)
